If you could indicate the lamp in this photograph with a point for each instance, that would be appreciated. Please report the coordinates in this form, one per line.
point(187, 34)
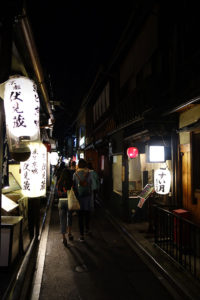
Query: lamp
point(155, 153)
point(54, 157)
point(132, 152)
point(22, 105)
point(33, 171)
point(162, 180)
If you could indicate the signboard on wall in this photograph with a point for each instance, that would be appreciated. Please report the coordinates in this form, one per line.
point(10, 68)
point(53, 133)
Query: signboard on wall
point(145, 193)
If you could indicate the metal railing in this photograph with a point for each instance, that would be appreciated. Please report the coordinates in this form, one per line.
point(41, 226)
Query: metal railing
point(179, 238)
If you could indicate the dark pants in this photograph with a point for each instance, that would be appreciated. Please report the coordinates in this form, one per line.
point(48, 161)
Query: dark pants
point(84, 221)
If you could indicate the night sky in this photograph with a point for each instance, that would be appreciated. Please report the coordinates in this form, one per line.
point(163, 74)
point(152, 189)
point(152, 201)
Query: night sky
point(73, 41)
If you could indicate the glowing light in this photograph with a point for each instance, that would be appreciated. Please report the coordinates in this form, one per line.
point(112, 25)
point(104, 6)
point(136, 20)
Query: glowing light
point(156, 153)
point(162, 181)
point(132, 152)
point(22, 106)
point(54, 157)
point(33, 171)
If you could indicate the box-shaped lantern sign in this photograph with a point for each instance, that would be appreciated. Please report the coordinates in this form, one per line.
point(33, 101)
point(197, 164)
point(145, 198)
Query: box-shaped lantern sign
point(21, 103)
point(155, 154)
point(162, 181)
point(33, 171)
point(132, 152)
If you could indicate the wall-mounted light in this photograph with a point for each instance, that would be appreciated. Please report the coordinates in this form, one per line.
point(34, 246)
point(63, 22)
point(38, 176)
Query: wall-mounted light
point(22, 105)
point(155, 154)
point(162, 181)
point(82, 155)
point(33, 171)
point(132, 152)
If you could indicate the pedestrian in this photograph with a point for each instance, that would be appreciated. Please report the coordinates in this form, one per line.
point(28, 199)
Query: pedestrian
point(64, 186)
point(82, 187)
point(73, 167)
point(58, 171)
point(95, 183)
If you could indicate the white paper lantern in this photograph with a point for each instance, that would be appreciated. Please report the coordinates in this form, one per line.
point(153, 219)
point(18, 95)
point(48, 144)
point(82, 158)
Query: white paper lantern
point(22, 106)
point(33, 171)
point(162, 181)
point(54, 157)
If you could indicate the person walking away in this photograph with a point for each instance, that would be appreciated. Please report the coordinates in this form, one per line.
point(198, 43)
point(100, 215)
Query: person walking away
point(82, 187)
point(72, 167)
point(57, 174)
point(95, 183)
point(64, 186)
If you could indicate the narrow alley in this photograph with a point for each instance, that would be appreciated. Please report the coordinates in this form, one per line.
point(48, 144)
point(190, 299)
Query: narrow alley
point(103, 267)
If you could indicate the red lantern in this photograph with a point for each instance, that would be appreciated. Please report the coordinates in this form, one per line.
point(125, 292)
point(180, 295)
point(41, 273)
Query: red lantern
point(132, 152)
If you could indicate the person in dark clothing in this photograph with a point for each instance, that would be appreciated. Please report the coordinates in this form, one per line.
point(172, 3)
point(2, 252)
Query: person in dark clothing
point(95, 183)
point(57, 174)
point(82, 187)
point(64, 186)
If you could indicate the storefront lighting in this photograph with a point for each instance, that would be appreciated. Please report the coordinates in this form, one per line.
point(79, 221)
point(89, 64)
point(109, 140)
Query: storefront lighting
point(132, 152)
point(162, 181)
point(33, 171)
point(82, 155)
point(82, 141)
point(22, 106)
point(156, 154)
point(54, 157)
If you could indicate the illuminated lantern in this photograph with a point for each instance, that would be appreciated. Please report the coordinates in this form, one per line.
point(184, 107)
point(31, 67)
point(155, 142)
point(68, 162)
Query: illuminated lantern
point(132, 152)
point(156, 153)
point(21, 104)
point(162, 181)
point(54, 157)
point(33, 171)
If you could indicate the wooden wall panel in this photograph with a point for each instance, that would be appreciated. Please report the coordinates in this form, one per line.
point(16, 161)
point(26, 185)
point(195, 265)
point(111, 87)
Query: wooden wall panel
point(187, 185)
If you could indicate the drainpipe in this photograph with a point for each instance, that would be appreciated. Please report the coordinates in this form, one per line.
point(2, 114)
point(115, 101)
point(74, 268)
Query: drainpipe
point(28, 35)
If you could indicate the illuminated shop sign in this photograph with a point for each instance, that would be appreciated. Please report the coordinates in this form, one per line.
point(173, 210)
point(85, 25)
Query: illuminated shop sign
point(82, 141)
point(33, 172)
point(162, 181)
point(22, 106)
point(156, 154)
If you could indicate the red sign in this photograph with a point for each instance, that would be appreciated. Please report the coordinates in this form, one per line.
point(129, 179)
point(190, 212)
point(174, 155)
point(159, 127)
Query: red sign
point(132, 152)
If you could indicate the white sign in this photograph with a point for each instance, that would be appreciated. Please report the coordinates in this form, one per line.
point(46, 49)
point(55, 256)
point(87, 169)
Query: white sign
point(33, 171)
point(22, 108)
point(156, 153)
point(162, 181)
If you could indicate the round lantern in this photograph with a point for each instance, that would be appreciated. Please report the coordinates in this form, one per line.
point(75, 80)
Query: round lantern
point(132, 152)
point(21, 104)
point(33, 171)
point(162, 181)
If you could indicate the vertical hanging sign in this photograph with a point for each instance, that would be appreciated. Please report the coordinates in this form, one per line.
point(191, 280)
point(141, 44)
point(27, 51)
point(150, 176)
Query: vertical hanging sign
point(33, 172)
point(162, 181)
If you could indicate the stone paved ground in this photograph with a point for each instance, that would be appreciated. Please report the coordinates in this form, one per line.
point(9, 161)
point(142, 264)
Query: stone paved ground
point(102, 268)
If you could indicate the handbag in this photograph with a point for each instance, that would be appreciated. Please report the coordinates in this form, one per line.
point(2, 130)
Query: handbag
point(73, 203)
